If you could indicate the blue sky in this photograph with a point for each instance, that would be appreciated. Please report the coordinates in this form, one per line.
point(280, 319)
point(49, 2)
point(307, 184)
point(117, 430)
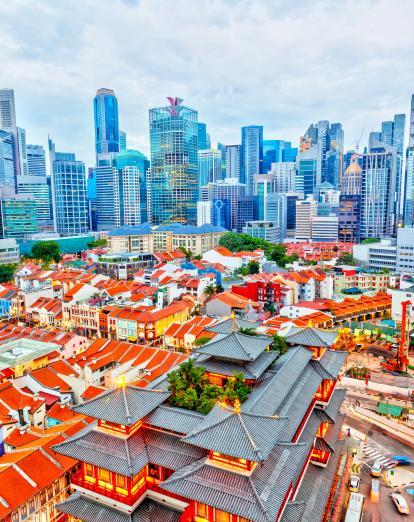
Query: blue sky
point(280, 63)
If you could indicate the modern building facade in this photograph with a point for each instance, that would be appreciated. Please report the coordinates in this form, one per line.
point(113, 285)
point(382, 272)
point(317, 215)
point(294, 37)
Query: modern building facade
point(18, 216)
point(209, 166)
point(8, 123)
point(69, 193)
point(233, 161)
point(252, 155)
point(105, 105)
point(36, 160)
point(308, 164)
point(173, 177)
point(305, 211)
point(38, 188)
point(225, 196)
point(7, 159)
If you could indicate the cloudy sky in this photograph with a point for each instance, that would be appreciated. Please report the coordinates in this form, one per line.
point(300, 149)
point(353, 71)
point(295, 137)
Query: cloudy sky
point(280, 63)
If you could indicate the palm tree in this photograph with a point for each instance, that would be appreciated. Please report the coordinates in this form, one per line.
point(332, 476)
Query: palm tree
point(209, 291)
point(278, 344)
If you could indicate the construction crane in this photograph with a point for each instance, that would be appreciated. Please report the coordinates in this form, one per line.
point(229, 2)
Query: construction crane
point(399, 361)
point(359, 141)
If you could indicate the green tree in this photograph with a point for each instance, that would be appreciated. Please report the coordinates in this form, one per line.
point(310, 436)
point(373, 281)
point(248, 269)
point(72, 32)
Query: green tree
point(253, 267)
point(98, 243)
point(248, 331)
point(345, 258)
point(188, 254)
point(201, 341)
point(278, 344)
point(235, 389)
point(369, 240)
point(48, 251)
point(208, 398)
point(7, 272)
point(209, 291)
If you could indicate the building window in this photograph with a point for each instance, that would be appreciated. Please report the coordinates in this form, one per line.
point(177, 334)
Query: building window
point(104, 478)
point(221, 516)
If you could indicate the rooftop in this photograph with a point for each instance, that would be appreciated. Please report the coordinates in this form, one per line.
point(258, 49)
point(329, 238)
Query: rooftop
point(19, 351)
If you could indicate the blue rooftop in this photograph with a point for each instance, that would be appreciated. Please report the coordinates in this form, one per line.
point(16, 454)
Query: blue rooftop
point(178, 228)
point(129, 230)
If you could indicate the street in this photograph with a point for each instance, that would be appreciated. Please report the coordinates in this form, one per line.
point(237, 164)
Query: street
point(380, 446)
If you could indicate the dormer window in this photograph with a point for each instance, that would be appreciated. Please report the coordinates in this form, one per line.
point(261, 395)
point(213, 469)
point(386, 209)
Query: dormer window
point(228, 461)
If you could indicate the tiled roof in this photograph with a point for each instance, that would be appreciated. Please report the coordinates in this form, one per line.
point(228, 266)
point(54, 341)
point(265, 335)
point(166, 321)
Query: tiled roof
point(332, 361)
point(49, 379)
point(80, 506)
point(250, 370)
point(293, 512)
point(236, 346)
point(124, 405)
point(311, 337)
point(226, 326)
point(174, 419)
point(233, 300)
point(257, 497)
point(238, 434)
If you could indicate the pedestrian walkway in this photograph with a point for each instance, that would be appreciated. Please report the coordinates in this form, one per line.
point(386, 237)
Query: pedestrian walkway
point(375, 452)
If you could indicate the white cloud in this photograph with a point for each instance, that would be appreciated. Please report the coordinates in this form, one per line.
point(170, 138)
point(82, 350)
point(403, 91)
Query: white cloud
point(279, 63)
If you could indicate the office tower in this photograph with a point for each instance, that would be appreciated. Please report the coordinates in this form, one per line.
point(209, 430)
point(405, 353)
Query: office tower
point(411, 129)
point(105, 183)
point(122, 140)
point(105, 105)
point(325, 193)
point(276, 212)
point(133, 168)
point(21, 140)
point(378, 189)
point(233, 161)
point(273, 152)
point(173, 176)
point(17, 214)
point(291, 199)
point(305, 211)
point(36, 160)
point(308, 170)
point(324, 228)
point(387, 131)
point(209, 166)
point(92, 205)
point(7, 170)
point(8, 123)
point(204, 213)
point(352, 177)
point(203, 141)
point(336, 133)
point(348, 218)
point(333, 165)
point(225, 196)
point(266, 230)
point(69, 194)
point(39, 189)
point(289, 154)
point(252, 154)
point(247, 210)
point(284, 174)
point(408, 216)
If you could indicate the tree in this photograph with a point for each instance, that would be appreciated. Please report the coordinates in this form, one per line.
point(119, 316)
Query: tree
point(345, 259)
point(369, 240)
point(248, 331)
point(235, 389)
point(209, 291)
point(201, 341)
point(7, 272)
point(48, 251)
point(253, 267)
point(208, 398)
point(278, 344)
point(98, 243)
point(188, 254)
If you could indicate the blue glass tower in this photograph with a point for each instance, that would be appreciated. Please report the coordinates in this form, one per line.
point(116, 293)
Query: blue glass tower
point(105, 106)
point(252, 154)
point(173, 178)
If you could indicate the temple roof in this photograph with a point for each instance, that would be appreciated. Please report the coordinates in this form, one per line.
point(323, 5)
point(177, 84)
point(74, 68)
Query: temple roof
point(293, 512)
point(129, 456)
point(84, 508)
point(124, 405)
point(331, 362)
point(174, 419)
point(310, 336)
point(226, 326)
point(251, 370)
point(257, 497)
point(238, 434)
point(237, 346)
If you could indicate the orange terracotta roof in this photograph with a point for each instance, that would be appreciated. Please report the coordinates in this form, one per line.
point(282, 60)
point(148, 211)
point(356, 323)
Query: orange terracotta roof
point(234, 300)
point(91, 392)
point(49, 379)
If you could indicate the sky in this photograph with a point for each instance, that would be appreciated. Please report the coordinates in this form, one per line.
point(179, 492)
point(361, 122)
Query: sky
point(279, 63)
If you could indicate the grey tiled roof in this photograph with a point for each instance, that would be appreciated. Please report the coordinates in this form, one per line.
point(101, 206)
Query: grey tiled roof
point(334, 406)
point(126, 457)
point(226, 326)
point(237, 346)
point(257, 497)
point(240, 435)
point(123, 405)
point(310, 336)
point(174, 419)
point(84, 508)
point(268, 395)
point(251, 370)
point(309, 432)
point(332, 361)
point(322, 445)
point(293, 512)
point(323, 416)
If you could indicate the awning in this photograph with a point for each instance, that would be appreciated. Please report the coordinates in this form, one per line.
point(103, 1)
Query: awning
point(389, 409)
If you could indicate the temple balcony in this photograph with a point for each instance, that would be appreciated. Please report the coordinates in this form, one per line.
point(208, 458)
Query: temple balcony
point(324, 392)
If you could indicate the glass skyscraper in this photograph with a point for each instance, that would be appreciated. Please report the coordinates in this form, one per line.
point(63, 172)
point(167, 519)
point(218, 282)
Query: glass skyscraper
point(7, 167)
point(209, 166)
point(252, 154)
point(36, 160)
point(173, 177)
point(38, 188)
point(105, 106)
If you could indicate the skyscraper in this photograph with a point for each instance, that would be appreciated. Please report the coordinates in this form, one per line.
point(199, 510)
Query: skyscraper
point(203, 139)
point(378, 187)
point(39, 189)
point(173, 177)
point(8, 123)
point(411, 130)
point(308, 170)
point(122, 140)
point(21, 140)
point(36, 160)
point(233, 161)
point(225, 196)
point(7, 170)
point(252, 154)
point(70, 205)
point(106, 183)
point(409, 173)
point(105, 106)
point(209, 166)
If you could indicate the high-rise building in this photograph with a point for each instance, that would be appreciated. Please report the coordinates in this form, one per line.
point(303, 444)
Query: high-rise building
point(252, 154)
point(106, 184)
point(233, 161)
point(7, 170)
point(204, 213)
point(247, 210)
point(18, 215)
point(411, 129)
point(408, 215)
point(21, 140)
point(39, 189)
point(308, 170)
point(225, 196)
point(324, 228)
point(8, 123)
point(209, 166)
point(122, 140)
point(36, 160)
point(348, 218)
point(305, 211)
point(378, 189)
point(387, 131)
point(203, 138)
point(352, 177)
point(173, 176)
point(273, 152)
point(105, 106)
point(69, 193)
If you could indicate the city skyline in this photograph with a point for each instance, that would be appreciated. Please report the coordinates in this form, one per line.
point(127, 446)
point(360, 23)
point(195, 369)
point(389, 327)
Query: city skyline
point(359, 84)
